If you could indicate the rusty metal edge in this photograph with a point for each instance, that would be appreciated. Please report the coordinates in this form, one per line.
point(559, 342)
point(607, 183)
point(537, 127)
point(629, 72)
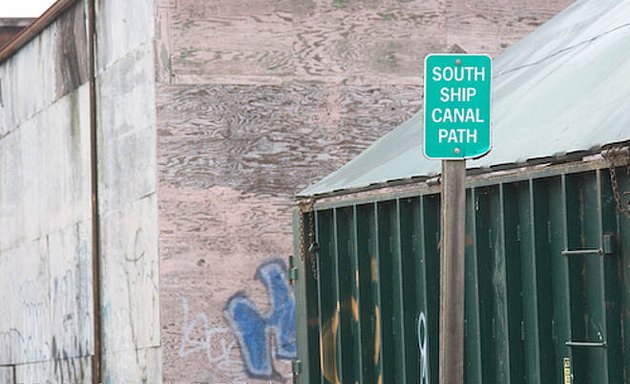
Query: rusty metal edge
point(30, 32)
point(572, 159)
point(422, 186)
point(97, 358)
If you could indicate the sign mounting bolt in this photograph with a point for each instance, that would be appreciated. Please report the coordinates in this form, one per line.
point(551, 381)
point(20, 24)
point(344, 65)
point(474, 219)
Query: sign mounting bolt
point(456, 150)
point(458, 62)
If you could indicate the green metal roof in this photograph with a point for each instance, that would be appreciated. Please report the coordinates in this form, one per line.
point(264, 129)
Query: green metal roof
point(563, 89)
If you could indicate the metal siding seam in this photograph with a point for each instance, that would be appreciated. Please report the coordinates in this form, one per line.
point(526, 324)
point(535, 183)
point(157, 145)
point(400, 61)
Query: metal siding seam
point(431, 207)
point(544, 290)
point(301, 298)
point(368, 291)
point(329, 309)
point(398, 271)
point(561, 303)
point(502, 345)
point(547, 209)
point(412, 285)
point(336, 280)
point(385, 285)
point(598, 305)
point(356, 294)
point(415, 285)
point(575, 219)
point(624, 256)
point(344, 291)
point(486, 313)
point(421, 289)
point(529, 260)
point(376, 264)
point(511, 232)
point(313, 304)
point(612, 286)
point(322, 380)
point(473, 367)
point(502, 254)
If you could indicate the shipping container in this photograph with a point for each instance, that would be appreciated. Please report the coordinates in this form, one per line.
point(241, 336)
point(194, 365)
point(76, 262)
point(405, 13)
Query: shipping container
point(547, 243)
point(547, 281)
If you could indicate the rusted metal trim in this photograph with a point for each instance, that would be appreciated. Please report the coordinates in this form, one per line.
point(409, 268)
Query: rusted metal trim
point(97, 359)
point(422, 186)
point(561, 160)
point(306, 205)
point(30, 32)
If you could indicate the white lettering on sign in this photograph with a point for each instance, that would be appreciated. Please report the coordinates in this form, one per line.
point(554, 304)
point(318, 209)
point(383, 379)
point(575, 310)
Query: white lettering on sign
point(457, 136)
point(459, 74)
point(457, 94)
point(456, 115)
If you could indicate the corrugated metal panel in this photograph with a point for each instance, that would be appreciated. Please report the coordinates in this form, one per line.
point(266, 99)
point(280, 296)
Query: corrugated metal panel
point(561, 90)
point(547, 291)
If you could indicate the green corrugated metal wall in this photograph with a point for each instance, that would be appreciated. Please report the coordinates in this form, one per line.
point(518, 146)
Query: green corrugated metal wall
point(535, 313)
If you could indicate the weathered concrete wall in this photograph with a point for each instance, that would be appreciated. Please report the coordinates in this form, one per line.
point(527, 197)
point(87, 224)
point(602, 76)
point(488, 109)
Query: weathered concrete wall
point(45, 211)
point(46, 238)
point(256, 100)
point(127, 190)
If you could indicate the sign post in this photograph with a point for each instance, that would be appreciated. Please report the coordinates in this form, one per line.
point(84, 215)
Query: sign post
point(452, 272)
point(456, 127)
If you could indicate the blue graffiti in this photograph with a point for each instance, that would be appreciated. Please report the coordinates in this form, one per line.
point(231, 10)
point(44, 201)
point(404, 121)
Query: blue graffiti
point(255, 330)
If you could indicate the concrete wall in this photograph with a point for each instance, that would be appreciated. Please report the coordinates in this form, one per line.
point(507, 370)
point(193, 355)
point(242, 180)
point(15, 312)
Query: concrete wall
point(127, 169)
point(46, 238)
point(256, 100)
point(45, 212)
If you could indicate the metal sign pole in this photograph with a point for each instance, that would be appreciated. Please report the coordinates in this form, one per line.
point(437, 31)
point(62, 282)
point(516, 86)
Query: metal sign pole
point(457, 97)
point(452, 272)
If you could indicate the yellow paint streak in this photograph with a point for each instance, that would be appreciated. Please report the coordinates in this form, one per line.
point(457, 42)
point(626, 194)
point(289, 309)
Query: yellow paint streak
point(328, 348)
point(355, 309)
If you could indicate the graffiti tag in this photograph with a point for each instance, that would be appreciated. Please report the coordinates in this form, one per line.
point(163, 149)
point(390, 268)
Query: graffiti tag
point(255, 330)
point(424, 352)
point(216, 342)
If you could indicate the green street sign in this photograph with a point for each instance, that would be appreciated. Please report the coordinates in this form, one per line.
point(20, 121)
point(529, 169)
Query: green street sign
point(457, 89)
